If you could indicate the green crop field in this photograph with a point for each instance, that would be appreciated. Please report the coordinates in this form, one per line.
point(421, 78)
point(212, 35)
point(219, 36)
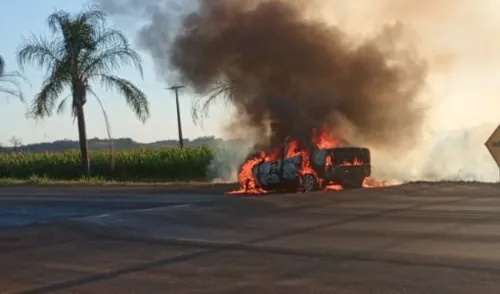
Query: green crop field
point(135, 165)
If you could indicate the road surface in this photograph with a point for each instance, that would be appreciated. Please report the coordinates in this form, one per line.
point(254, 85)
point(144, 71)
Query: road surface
point(416, 238)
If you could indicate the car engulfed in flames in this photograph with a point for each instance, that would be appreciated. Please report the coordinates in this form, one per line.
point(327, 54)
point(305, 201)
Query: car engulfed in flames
point(327, 165)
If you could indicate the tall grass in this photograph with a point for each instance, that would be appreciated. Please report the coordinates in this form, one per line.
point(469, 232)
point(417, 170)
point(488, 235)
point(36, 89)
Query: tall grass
point(143, 164)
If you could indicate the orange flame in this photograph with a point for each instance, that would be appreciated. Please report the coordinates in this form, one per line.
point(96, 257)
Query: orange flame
point(323, 140)
point(355, 162)
point(248, 183)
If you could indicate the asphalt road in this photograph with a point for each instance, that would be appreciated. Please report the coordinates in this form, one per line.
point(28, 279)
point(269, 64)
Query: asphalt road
point(418, 238)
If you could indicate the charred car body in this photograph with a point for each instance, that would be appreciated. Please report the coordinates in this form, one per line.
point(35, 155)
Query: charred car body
point(344, 166)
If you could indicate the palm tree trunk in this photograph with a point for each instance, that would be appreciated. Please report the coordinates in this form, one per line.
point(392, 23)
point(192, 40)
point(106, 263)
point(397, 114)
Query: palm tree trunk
point(82, 137)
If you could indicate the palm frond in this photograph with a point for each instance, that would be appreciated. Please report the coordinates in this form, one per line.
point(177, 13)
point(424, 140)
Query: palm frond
point(59, 22)
point(76, 31)
point(201, 108)
point(10, 85)
point(134, 97)
point(87, 24)
point(106, 38)
point(62, 106)
point(14, 75)
point(45, 100)
point(59, 76)
point(41, 52)
point(115, 53)
point(91, 15)
point(112, 50)
point(49, 56)
point(112, 60)
point(12, 92)
point(108, 128)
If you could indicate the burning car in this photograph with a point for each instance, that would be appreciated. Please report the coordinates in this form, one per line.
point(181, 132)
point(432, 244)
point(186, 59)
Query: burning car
point(326, 165)
point(346, 167)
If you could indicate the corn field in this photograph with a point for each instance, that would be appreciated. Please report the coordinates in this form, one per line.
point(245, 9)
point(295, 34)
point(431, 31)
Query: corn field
point(143, 164)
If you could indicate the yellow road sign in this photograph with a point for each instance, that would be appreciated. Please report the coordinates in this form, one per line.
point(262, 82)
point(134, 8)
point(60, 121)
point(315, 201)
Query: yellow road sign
point(493, 145)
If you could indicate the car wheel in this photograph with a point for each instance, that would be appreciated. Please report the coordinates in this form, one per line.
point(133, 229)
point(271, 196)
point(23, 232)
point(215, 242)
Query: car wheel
point(309, 183)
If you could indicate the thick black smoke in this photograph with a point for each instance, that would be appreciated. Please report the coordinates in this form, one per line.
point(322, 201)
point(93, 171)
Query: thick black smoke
point(297, 73)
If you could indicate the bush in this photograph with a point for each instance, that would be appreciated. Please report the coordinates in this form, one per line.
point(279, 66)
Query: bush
point(142, 164)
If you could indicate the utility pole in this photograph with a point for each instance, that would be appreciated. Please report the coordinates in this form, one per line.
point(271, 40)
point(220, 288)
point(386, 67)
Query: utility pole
point(179, 126)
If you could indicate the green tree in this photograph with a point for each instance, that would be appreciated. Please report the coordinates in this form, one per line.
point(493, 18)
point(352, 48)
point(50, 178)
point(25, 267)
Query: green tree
point(9, 82)
point(82, 51)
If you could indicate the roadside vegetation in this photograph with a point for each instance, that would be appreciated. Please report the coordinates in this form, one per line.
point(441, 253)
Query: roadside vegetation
point(144, 165)
point(82, 53)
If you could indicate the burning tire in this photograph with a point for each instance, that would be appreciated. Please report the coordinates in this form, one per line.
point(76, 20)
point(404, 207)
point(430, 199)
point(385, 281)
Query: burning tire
point(309, 183)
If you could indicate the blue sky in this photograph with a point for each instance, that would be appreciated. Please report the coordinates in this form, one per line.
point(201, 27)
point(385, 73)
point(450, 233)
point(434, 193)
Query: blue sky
point(473, 72)
point(21, 18)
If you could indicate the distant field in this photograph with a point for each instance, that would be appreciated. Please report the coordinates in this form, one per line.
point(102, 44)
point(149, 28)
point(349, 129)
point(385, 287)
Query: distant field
point(172, 164)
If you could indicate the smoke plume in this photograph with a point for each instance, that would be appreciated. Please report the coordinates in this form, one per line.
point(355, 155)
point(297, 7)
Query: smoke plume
point(295, 74)
point(458, 39)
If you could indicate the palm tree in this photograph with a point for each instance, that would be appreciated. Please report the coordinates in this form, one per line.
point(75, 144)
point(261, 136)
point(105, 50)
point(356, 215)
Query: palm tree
point(82, 51)
point(9, 83)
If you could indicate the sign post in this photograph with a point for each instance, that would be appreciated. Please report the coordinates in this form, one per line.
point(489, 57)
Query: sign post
point(493, 146)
